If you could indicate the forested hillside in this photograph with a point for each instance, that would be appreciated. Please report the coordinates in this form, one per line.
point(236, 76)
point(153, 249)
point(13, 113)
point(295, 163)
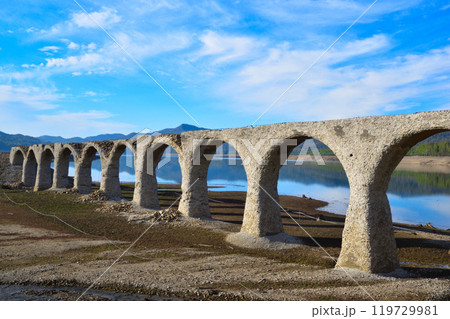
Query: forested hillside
point(431, 149)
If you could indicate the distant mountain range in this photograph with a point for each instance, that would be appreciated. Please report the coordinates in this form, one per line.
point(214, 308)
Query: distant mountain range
point(9, 140)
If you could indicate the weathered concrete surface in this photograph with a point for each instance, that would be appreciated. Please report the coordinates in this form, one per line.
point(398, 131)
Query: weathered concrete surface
point(149, 152)
point(9, 173)
point(369, 149)
point(110, 183)
point(61, 163)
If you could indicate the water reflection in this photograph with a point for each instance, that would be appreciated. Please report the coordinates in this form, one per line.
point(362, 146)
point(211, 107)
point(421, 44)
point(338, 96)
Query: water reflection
point(415, 197)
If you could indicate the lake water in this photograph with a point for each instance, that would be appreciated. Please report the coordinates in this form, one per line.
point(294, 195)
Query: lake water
point(415, 198)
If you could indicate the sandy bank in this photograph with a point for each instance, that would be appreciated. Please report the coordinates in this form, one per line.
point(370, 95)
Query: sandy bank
point(425, 164)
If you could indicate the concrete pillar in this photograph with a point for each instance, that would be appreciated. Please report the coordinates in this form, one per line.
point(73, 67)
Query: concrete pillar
point(368, 241)
point(146, 187)
point(262, 214)
point(194, 186)
point(83, 167)
point(83, 178)
point(110, 182)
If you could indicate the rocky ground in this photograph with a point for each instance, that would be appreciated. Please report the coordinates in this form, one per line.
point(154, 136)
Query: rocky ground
point(206, 265)
point(8, 173)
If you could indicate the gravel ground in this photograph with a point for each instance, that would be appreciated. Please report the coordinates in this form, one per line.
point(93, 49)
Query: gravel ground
point(193, 273)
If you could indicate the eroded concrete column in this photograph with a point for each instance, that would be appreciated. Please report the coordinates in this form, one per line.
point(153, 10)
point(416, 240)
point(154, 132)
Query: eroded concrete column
point(83, 178)
point(146, 187)
point(262, 214)
point(110, 182)
point(194, 186)
point(368, 241)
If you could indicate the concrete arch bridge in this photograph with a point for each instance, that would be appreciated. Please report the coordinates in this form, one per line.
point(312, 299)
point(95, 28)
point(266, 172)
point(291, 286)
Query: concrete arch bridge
point(369, 149)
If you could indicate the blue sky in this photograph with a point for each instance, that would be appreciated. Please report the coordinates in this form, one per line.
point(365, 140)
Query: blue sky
point(225, 62)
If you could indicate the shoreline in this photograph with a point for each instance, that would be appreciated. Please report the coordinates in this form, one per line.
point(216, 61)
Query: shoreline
point(423, 164)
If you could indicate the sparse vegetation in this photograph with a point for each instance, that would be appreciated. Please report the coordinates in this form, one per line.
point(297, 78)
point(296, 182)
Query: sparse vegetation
point(181, 243)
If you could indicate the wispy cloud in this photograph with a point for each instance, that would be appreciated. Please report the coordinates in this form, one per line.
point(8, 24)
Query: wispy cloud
point(328, 92)
point(226, 48)
point(51, 48)
point(239, 54)
point(326, 13)
point(35, 98)
point(105, 17)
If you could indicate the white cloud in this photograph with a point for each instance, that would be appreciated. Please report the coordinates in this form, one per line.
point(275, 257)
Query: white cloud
point(32, 97)
point(31, 30)
point(62, 123)
point(140, 45)
point(81, 123)
point(105, 18)
point(90, 47)
point(51, 48)
point(328, 92)
point(227, 48)
point(91, 62)
point(326, 13)
point(360, 47)
point(73, 46)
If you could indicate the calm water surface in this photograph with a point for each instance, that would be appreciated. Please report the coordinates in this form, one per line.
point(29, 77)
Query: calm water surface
point(415, 198)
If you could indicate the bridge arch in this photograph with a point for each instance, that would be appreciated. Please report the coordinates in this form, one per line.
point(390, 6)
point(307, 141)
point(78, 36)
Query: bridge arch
point(30, 169)
point(398, 149)
point(263, 214)
point(18, 157)
point(83, 175)
point(44, 178)
point(232, 162)
point(195, 201)
point(110, 183)
point(62, 163)
point(150, 151)
point(368, 241)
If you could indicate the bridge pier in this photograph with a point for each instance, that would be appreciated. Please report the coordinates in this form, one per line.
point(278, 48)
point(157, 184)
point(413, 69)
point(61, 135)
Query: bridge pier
point(368, 241)
point(83, 178)
point(60, 177)
point(194, 187)
point(110, 183)
point(262, 214)
point(146, 186)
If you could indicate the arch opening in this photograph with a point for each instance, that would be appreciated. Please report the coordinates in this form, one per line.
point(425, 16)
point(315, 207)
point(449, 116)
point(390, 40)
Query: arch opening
point(312, 187)
point(159, 169)
point(65, 169)
point(18, 158)
point(89, 171)
point(45, 175)
point(226, 181)
point(415, 174)
point(30, 170)
point(121, 172)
